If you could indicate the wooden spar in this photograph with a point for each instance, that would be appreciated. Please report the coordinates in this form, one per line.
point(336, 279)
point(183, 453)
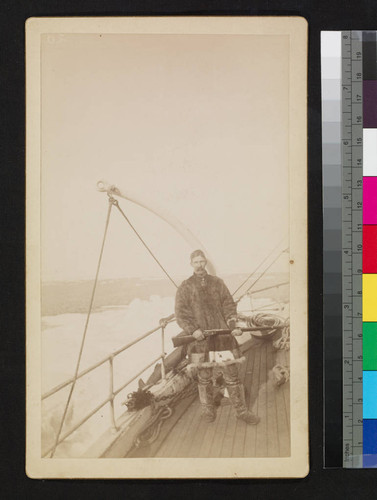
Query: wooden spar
point(168, 217)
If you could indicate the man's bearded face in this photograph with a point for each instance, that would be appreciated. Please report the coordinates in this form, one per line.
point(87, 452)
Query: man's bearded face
point(199, 264)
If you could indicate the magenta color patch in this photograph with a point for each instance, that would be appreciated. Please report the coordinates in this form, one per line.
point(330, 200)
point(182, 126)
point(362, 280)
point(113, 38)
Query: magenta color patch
point(370, 104)
point(370, 200)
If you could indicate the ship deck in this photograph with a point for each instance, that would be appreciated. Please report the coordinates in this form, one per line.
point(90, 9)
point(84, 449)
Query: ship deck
point(186, 434)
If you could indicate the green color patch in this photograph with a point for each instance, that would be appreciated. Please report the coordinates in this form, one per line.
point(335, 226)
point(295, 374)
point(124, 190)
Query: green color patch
point(370, 346)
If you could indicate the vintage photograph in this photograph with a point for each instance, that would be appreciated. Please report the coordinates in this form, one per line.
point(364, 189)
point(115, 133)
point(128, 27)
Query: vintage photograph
point(166, 240)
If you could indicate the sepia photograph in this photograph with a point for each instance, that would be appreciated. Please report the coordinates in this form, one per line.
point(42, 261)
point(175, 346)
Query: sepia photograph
point(166, 247)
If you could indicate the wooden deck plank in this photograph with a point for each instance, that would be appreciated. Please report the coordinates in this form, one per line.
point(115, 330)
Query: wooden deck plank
point(167, 428)
point(262, 429)
point(184, 433)
point(241, 428)
point(167, 448)
point(282, 407)
point(227, 442)
point(286, 394)
point(251, 430)
point(272, 426)
point(170, 446)
point(286, 388)
point(188, 435)
point(212, 430)
point(283, 424)
point(287, 357)
point(185, 443)
point(217, 442)
point(201, 434)
point(281, 357)
point(230, 431)
point(287, 399)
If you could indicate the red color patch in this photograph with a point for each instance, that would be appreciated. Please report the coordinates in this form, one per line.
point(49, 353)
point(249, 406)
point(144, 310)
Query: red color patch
point(369, 249)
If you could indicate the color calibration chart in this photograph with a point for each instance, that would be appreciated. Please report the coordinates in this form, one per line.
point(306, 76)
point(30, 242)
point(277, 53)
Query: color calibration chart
point(349, 157)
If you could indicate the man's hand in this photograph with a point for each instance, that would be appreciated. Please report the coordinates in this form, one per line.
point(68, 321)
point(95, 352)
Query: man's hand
point(198, 334)
point(236, 332)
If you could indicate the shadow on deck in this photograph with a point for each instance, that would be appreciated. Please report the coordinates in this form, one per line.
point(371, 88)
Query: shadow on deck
point(186, 434)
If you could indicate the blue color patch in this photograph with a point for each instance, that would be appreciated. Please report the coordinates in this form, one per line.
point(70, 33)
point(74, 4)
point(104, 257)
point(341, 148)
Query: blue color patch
point(370, 394)
point(370, 443)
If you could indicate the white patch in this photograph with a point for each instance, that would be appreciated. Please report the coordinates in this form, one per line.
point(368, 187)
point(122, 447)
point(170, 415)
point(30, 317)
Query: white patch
point(221, 356)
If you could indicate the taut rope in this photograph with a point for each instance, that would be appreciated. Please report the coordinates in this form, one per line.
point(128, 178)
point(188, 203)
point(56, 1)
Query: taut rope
point(111, 202)
point(258, 266)
point(115, 202)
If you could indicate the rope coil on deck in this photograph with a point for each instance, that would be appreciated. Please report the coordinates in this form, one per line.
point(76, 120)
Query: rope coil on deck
point(265, 320)
point(152, 428)
point(276, 323)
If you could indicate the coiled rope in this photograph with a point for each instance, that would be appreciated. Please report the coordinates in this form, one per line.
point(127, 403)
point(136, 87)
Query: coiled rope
point(152, 431)
point(275, 322)
point(152, 427)
point(265, 320)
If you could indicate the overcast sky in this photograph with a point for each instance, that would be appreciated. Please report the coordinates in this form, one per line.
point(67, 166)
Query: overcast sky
point(195, 124)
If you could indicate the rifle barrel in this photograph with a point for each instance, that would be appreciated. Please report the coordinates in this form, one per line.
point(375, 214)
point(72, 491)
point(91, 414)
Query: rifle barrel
point(187, 339)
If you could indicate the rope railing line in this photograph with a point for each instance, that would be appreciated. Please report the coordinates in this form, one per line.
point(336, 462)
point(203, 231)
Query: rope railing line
point(111, 357)
point(99, 363)
point(137, 375)
point(85, 327)
point(139, 339)
point(71, 431)
point(109, 399)
point(57, 388)
point(113, 394)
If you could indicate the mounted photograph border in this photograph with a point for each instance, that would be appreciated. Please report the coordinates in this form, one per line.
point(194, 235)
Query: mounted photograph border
point(297, 465)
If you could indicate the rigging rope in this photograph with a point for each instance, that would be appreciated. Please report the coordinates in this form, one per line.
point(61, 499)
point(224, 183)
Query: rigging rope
point(258, 266)
point(111, 203)
point(260, 276)
point(115, 202)
point(166, 412)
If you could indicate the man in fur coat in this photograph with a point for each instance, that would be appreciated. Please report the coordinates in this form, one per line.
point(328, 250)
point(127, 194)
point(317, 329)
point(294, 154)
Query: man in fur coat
point(203, 302)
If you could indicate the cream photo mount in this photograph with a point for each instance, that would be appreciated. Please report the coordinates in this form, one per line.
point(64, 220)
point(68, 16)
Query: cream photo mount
point(43, 148)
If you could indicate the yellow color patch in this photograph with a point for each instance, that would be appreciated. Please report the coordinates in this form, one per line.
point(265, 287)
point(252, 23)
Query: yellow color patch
point(369, 297)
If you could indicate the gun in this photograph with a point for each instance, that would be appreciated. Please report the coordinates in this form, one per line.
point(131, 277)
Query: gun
point(187, 339)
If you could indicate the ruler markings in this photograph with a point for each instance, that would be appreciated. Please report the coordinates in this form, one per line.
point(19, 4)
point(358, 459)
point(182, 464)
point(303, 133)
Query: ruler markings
point(352, 141)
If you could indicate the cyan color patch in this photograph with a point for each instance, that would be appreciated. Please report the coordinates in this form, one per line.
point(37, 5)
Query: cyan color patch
point(370, 394)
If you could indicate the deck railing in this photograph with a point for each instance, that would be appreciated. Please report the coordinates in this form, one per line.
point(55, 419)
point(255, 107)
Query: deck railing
point(112, 392)
point(110, 360)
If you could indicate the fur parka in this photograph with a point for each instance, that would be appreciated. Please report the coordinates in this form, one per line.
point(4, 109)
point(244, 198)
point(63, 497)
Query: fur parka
point(205, 302)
